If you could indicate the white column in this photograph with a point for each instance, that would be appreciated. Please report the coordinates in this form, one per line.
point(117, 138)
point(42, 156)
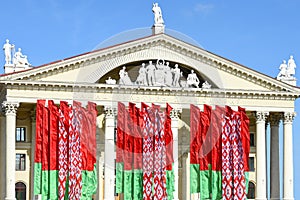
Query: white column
point(2, 155)
point(174, 126)
point(288, 175)
point(274, 157)
point(109, 157)
point(10, 112)
point(261, 177)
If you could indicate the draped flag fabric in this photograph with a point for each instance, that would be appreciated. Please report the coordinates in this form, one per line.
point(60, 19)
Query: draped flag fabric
point(219, 149)
point(144, 156)
point(65, 151)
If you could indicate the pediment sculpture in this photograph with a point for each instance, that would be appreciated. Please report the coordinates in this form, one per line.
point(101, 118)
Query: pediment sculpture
point(159, 74)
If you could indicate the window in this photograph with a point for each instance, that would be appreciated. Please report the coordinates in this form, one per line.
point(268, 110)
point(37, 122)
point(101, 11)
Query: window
point(20, 162)
point(251, 164)
point(20, 134)
point(252, 140)
point(20, 191)
point(251, 191)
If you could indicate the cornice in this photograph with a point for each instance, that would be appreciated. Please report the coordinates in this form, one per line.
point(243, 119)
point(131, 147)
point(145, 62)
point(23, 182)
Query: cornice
point(149, 90)
point(161, 40)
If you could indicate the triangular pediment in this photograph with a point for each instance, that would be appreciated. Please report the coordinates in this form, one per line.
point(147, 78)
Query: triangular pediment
point(98, 65)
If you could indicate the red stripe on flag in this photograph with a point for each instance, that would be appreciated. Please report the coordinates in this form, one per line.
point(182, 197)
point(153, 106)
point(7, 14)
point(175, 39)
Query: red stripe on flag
point(194, 134)
point(168, 138)
point(39, 131)
point(45, 136)
point(205, 138)
point(53, 127)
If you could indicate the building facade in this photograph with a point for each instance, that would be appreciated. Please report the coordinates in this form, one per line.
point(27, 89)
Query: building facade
point(184, 74)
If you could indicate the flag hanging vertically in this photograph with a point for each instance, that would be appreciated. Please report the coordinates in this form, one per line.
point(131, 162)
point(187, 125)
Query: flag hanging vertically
point(142, 139)
point(69, 173)
point(220, 148)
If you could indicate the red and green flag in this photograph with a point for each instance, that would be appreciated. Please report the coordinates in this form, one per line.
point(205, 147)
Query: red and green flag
point(219, 151)
point(65, 162)
point(144, 160)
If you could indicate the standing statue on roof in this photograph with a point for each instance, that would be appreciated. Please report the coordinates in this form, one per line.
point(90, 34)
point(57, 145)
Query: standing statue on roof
point(8, 48)
point(291, 67)
point(157, 14)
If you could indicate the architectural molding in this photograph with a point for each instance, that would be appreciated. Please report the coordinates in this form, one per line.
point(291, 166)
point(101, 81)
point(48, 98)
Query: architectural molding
point(153, 90)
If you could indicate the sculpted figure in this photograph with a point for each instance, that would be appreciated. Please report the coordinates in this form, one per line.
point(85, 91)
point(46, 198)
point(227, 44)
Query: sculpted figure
point(157, 14)
point(142, 77)
point(7, 47)
point(291, 67)
point(192, 79)
point(110, 81)
point(20, 59)
point(177, 75)
point(206, 85)
point(151, 73)
point(168, 75)
point(283, 70)
point(124, 78)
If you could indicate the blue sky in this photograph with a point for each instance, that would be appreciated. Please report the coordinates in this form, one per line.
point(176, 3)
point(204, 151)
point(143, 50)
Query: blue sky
point(257, 34)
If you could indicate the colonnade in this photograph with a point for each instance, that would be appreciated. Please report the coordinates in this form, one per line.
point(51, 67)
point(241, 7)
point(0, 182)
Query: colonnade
point(10, 110)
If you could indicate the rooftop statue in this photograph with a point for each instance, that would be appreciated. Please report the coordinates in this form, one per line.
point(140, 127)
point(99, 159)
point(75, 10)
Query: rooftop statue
point(283, 70)
point(8, 48)
point(291, 67)
point(158, 20)
point(20, 59)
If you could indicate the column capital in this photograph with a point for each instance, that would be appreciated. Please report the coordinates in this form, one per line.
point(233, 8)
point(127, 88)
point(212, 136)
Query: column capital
point(261, 116)
point(110, 111)
point(10, 107)
point(289, 117)
point(175, 113)
point(33, 115)
point(275, 118)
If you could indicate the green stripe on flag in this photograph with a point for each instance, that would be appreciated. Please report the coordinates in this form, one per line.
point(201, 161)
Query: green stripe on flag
point(170, 183)
point(194, 178)
point(138, 184)
point(216, 184)
point(247, 181)
point(37, 178)
point(89, 183)
point(119, 177)
point(128, 193)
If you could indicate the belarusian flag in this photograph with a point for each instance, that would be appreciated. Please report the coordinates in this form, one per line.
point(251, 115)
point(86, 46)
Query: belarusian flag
point(220, 148)
point(141, 148)
point(63, 133)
